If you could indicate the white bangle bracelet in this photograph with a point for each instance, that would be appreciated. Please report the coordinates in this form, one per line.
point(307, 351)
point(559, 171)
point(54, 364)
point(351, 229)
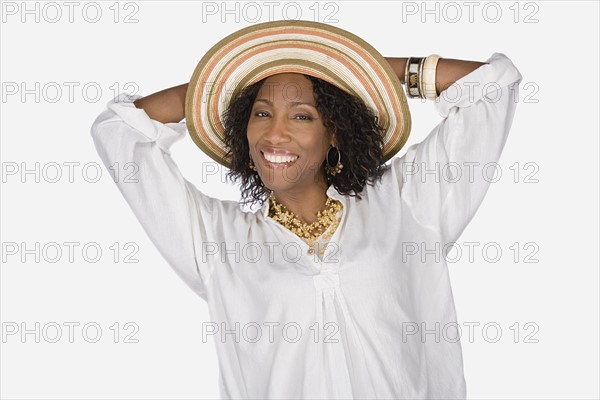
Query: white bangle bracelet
point(428, 77)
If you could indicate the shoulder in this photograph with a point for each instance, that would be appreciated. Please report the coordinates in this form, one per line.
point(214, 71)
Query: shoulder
point(383, 189)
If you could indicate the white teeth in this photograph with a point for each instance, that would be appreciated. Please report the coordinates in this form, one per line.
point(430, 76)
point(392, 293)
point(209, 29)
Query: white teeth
point(279, 159)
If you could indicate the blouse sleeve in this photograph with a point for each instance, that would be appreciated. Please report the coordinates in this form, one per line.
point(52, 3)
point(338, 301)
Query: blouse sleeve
point(477, 115)
point(170, 209)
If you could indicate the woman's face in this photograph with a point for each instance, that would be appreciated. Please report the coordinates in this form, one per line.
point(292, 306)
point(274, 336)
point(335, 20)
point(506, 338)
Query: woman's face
point(287, 138)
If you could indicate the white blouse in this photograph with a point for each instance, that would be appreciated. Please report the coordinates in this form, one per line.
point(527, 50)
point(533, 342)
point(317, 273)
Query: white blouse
point(374, 318)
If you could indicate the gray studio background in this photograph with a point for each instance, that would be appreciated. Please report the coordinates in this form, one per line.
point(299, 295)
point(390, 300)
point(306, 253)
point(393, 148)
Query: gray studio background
point(61, 63)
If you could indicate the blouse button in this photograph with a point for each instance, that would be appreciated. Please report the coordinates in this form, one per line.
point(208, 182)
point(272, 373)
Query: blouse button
point(310, 251)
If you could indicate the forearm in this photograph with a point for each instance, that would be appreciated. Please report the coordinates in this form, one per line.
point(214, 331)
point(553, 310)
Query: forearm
point(448, 70)
point(165, 106)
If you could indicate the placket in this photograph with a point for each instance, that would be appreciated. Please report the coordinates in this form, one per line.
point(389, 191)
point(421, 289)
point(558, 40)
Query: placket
point(332, 352)
point(344, 360)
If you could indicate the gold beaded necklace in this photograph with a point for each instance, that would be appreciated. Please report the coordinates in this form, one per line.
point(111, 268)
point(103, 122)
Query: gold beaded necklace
point(325, 224)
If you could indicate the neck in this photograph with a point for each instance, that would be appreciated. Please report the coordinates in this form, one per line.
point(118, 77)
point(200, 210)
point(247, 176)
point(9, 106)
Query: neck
point(304, 202)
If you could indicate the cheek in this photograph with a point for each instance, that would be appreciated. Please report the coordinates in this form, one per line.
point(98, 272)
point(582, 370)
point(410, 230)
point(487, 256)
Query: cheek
point(251, 134)
point(254, 132)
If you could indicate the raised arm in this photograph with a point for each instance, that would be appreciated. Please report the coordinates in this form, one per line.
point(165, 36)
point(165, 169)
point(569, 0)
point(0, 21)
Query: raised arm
point(448, 70)
point(176, 216)
point(477, 116)
point(165, 106)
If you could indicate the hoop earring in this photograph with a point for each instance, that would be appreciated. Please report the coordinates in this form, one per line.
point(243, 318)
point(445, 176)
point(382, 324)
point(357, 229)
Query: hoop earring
point(330, 168)
point(251, 164)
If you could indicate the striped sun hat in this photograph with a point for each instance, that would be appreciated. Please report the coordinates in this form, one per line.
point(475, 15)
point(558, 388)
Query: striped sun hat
point(316, 49)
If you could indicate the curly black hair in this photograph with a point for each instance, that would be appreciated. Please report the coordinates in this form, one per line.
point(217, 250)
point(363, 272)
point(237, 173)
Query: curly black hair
point(358, 138)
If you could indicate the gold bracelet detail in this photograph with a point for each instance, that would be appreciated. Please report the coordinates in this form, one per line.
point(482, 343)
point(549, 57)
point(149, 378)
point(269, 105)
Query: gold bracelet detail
point(411, 76)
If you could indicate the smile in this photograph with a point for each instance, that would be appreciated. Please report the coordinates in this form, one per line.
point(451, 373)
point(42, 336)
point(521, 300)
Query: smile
point(276, 161)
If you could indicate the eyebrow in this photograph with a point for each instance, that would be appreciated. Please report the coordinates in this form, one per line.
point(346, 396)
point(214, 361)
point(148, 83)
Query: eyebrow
point(291, 103)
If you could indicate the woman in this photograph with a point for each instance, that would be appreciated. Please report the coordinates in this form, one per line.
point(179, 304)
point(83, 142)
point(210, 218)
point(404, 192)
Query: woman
point(336, 286)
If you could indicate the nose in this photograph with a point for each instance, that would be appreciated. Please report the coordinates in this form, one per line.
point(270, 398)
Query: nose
point(277, 129)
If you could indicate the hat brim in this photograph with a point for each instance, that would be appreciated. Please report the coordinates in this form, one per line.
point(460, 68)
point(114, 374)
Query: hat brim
point(316, 49)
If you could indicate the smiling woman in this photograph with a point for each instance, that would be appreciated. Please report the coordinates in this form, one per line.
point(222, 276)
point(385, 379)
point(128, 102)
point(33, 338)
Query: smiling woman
point(307, 125)
point(306, 117)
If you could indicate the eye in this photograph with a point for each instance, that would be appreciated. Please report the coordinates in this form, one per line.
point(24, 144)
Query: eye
point(261, 114)
point(304, 117)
